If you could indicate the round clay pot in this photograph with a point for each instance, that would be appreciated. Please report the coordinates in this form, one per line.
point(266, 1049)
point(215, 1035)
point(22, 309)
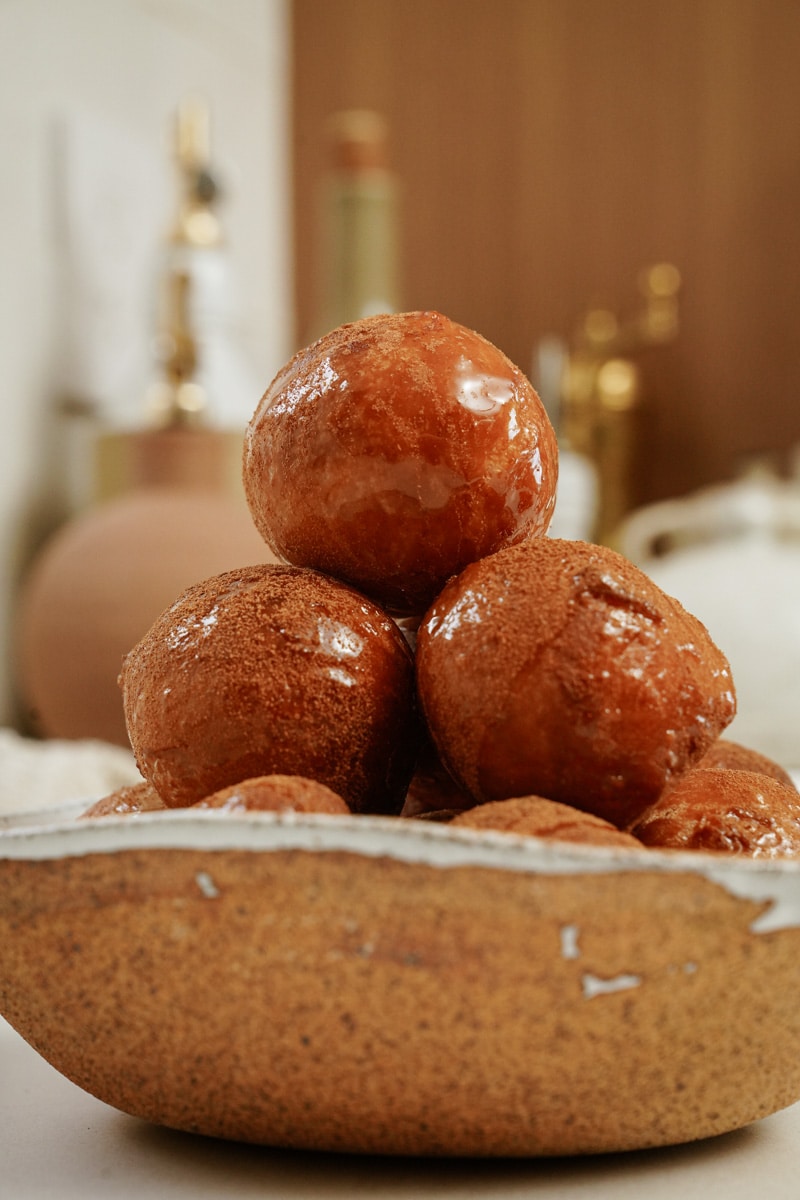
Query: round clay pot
point(98, 585)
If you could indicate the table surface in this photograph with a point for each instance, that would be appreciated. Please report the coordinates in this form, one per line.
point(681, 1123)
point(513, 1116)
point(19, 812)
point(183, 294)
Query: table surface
point(57, 1141)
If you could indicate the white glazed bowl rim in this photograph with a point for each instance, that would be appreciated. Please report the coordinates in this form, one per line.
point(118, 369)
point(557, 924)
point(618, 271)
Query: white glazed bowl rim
point(56, 834)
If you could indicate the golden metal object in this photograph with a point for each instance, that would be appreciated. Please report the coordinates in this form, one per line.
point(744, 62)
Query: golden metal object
point(197, 223)
point(177, 446)
point(618, 390)
point(177, 398)
point(602, 388)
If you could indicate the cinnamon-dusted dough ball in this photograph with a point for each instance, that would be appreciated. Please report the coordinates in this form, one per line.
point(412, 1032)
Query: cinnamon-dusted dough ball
point(273, 670)
point(534, 816)
point(735, 812)
point(394, 451)
point(733, 757)
point(557, 668)
point(131, 799)
point(276, 793)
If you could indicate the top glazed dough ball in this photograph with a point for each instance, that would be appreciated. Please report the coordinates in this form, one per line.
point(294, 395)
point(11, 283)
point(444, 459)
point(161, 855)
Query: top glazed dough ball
point(559, 669)
point(396, 450)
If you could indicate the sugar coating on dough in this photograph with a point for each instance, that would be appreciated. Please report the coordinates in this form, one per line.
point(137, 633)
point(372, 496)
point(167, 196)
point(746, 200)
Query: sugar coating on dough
point(275, 793)
point(534, 816)
point(394, 451)
point(734, 757)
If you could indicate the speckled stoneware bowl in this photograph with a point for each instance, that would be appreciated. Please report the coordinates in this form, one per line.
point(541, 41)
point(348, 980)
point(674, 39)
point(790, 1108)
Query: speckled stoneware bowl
point(367, 984)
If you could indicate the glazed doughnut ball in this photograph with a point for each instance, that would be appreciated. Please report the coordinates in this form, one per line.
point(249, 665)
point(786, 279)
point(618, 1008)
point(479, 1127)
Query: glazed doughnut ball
point(558, 669)
point(732, 756)
point(275, 793)
point(729, 812)
point(533, 816)
point(396, 450)
point(128, 800)
point(273, 670)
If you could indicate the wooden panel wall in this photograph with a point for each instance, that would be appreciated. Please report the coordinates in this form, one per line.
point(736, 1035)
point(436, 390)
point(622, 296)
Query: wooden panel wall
point(550, 149)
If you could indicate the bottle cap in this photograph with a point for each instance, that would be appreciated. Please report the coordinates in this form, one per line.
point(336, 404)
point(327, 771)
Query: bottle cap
point(358, 139)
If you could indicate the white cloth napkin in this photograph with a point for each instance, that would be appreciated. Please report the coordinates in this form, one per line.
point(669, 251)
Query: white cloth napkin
point(37, 775)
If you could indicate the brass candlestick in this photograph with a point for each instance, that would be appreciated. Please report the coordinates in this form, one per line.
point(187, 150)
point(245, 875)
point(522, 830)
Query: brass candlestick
point(176, 443)
point(602, 389)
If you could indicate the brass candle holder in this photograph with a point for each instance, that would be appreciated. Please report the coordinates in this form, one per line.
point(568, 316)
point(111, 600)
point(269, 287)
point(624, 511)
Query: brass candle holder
point(602, 389)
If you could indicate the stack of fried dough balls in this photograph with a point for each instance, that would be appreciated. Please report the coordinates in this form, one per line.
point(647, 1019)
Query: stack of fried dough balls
point(380, 462)
point(405, 473)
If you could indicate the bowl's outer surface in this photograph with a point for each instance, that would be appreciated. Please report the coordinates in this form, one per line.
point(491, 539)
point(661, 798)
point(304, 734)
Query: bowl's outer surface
point(333, 999)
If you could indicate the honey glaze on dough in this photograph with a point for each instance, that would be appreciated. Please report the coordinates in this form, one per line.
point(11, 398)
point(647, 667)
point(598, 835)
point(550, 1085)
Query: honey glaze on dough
point(394, 451)
point(726, 811)
point(273, 670)
point(557, 668)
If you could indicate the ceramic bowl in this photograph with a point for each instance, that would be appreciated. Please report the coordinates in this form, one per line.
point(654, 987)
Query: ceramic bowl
point(384, 986)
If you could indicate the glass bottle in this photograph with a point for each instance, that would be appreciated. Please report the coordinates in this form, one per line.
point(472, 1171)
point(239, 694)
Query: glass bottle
point(359, 250)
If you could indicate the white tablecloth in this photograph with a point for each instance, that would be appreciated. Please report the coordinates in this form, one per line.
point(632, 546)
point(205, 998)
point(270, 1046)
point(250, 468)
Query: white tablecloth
point(37, 775)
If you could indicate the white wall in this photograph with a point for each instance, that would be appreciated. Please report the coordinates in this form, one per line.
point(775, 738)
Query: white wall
point(103, 79)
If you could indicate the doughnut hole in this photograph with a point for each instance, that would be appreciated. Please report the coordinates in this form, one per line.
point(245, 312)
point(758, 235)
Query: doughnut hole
point(273, 670)
point(730, 812)
point(558, 669)
point(394, 451)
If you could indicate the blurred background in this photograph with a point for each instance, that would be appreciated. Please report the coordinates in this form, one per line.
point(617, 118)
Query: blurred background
point(531, 163)
point(549, 150)
point(96, 203)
